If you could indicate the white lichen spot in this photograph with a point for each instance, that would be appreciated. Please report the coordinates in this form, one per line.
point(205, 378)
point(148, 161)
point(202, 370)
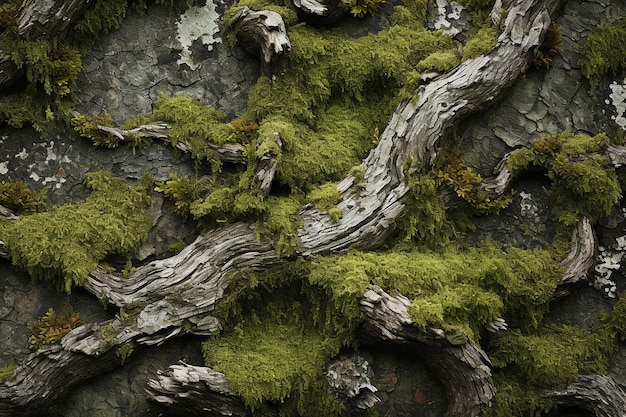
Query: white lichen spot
point(197, 23)
point(22, 155)
point(4, 167)
point(446, 15)
point(34, 176)
point(528, 207)
point(618, 99)
point(51, 156)
point(608, 261)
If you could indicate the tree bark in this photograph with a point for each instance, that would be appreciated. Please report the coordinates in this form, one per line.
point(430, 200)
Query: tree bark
point(195, 389)
point(264, 33)
point(39, 19)
point(598, 395)
point(178, 294)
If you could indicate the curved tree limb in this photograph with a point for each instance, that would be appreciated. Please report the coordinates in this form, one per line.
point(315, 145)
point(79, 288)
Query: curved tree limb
point(39, 19)
point(195, 389)
point(178, 294)
point(596, 394)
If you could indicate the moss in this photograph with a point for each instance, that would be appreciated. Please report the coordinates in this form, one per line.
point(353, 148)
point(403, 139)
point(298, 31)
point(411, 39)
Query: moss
point(481, 43)
point(21, 199)
point(191, 122)
point(554, 355)
point(325, 198)
point(516, 399)
point(588, 188)
point(604, 52)
point(360, 8)
point(52, 327)
point(456, 289)
point(6, 372)
point(64, 244)
point(282, 332)
point(88, 127)
point(425, 221)
point(583, 184)
point(280, 224)
point(182, 191)
point(125, 351)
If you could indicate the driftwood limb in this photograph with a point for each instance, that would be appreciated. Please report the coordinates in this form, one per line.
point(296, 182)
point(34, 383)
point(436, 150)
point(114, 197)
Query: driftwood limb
point(39, 19)
point(193, 389)
point(264, 33)
point(178, 294)
point(228, 152)
point(598, 395)
point(463, 368)
point(580, 261)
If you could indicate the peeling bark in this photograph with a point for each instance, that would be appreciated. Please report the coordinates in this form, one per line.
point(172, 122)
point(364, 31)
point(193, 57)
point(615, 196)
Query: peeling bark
point(580, 261)
point(598, 395)
point(463, 368)
point(178, 294)
point(264, 33)
point(39, 19)
point(195, 389)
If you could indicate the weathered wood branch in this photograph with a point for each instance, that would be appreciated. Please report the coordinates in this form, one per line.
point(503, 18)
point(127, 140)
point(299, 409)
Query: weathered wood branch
point(318, 14)
point(39, 19)
point(598, 395)
point(193, 389)
point(462, 367)
point(228, 152)
point(581, 259)
point(264, 33)
point(178, 294)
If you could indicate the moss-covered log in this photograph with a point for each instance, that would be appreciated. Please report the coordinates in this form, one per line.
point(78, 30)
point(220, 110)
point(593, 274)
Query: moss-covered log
point(228, 152)
point(597, 395)
point(179, 294)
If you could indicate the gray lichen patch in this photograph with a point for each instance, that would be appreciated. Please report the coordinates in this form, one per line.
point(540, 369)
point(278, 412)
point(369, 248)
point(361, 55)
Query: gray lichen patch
point(197, 24)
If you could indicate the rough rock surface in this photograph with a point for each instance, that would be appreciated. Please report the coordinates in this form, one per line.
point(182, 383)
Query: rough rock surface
point(130, 67)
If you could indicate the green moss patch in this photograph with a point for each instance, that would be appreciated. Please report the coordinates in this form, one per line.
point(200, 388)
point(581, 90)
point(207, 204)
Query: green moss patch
point(555, 354)
point(583, 184)
point(604, 52)
point(456, 289)
point(66, 243)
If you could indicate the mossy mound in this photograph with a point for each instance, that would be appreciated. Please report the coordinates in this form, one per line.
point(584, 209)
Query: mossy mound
point(64, 244)
point(604, 52)
point(584, 184)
